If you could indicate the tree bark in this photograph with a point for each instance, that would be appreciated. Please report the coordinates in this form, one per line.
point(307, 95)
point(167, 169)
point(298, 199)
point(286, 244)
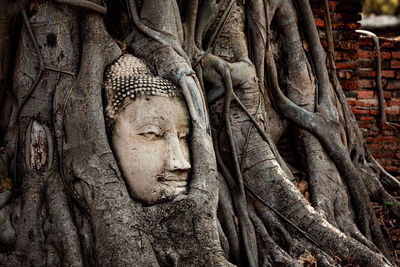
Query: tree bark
point(246, 79)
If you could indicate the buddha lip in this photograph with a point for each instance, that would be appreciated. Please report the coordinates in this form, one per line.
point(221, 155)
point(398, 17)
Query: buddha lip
point(173, 180)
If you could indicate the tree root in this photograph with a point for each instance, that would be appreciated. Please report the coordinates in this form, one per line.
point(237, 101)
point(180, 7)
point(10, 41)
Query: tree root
point(157, 36)
point(226, 216)
point(246, 229)
point(270, 253)
point(379, 194)
point(275, 222)
point(381, 100)
point(318, 123)
point(387, 180)
point(85, 4)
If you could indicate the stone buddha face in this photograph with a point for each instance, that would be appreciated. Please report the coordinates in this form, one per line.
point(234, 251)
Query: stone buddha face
point(149, 140)
point(150, 127)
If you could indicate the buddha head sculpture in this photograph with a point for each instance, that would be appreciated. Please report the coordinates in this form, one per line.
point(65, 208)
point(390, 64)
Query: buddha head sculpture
point(148, 123)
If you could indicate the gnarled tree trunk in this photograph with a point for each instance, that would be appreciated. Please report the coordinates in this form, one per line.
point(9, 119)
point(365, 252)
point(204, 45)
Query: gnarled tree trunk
point(246, 79)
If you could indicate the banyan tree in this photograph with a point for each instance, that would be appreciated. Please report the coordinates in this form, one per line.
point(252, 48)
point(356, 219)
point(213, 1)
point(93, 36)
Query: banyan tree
point(145, 132)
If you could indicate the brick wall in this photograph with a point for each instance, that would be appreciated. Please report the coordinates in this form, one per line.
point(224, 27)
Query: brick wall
point(384, 142)
point(355, 63)
point(345, 16)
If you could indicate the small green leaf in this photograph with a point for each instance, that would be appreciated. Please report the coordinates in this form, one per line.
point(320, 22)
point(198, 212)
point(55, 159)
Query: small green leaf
point(386, 204)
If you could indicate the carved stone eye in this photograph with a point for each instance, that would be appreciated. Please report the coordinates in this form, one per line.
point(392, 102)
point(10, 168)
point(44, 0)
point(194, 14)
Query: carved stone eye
point(152, 136)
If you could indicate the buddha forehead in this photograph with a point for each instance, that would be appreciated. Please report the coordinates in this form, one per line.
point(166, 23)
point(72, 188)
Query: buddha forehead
point(129, 78)
point(158, 109)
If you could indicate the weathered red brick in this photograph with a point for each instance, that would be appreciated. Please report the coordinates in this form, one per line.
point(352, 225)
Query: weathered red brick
point(388, 155)
point(366, 63)
point(338, 25)
point(392, 85)
point(351, 101)
point(387, 94)
point(378, 139)
point(373, 133)
point(386, 139)
point(364, 126)
point(366, 41)
point(385, 162)
point(353, 26)
point(391, 139)
point(386, 43)
point(360, 111)
point(349, 85)
point(387, 133)
point(385, 155)
point(388, 73)
point(365, 94)
point(393, 110)
point(367, 119)
point(349, 45)
point(349, 35)
point(347, 65)
point(391, 169)
point(374, 111)
point(398, 155)
point(392, 146)
point(366, 103)
point(368, 139)
point(397, 74)
point(366, 83)
point(366, 54)
point(386, 127)
point(396, 54)
point(319, 22)
point(376, 146)
point(349, 55)
point(367, 72)
point(394, 102)
point(395, 64)
point(393, 118)
point(386, 55)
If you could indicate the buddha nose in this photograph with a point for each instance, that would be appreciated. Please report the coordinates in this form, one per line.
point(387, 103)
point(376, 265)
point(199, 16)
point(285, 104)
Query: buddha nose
point(175, 158)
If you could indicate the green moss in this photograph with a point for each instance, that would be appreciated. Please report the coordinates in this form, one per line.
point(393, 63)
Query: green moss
point(381, 7)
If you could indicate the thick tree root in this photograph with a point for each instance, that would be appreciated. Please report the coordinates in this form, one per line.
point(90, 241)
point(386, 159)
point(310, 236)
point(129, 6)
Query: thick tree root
point(261, 171)
point(83, 212)
point(226, 216)
point(270, 253)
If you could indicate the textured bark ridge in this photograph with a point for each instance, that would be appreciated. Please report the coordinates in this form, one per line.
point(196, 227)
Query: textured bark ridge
point(249, 72)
